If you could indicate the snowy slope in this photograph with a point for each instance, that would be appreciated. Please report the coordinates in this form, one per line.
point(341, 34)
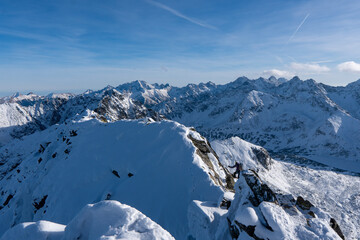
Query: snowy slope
point(295, 117)
point(333, 193)
point(347, 97)
point(158, 168)
point(292, 117)
point(24, 114)
point(103, 220)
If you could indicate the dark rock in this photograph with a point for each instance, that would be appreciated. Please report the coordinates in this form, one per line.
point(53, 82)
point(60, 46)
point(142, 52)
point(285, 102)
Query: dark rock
point(234, 232)
point(39, 160)
point(67, 151)
point(54, 155)
point(225, 203)
point(261, 192)
point(334, 225)
point(230, 183)
point(73, 133)
point(250, 230)
point(41, 203)
point(203, 149)
point(130, 174)
point(312, 214)
point(108, 196)
point(201, 145)
point(303, 204)
point(115, 173)
point(14, 166)
point(262, 156)
point(18, 170)
point(42, 149)
point(8, 200)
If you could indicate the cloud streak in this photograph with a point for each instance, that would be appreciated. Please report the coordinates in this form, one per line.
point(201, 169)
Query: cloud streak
point(309, 68)
point(180, 15)
point(298, 28)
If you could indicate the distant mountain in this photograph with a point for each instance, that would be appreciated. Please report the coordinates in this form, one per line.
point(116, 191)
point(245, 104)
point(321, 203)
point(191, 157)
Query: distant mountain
point(166, 152)
point(288, 117)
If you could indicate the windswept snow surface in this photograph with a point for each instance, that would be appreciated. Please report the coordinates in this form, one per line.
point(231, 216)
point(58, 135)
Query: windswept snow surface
point(40, 230)
point(152, 166)
point(335, 192)
point(104, 220)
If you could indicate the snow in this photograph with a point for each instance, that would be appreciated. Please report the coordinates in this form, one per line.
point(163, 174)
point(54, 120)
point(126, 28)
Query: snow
point(104, 220)
point(112, 220)
point(294, 117)
point(334, 192)
point(311, 129)
point(167, 174)
point(278, 220)
point(247, 216)
point(41, 230)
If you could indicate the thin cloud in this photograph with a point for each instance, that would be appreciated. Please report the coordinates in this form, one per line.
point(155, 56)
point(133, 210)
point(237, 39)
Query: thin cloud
point(309, 67)
point(298, 28)
point(350, 66)
point(278, 73)
point(180, 15)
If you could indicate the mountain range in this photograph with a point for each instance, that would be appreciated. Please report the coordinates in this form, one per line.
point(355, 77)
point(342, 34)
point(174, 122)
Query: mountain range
point(166, 152)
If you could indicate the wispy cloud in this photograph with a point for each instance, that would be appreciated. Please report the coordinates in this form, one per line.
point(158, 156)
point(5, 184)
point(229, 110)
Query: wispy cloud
point(350, 66)
point(309, 67)
point(180, 15)
point(298, 28)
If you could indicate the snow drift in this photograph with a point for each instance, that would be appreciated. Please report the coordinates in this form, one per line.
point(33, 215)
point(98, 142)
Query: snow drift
point(103, 220)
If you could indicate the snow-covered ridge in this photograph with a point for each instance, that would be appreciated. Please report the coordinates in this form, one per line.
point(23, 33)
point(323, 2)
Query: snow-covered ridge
point(172, 175)
point(158, 168)
point(107, 219)
point(296, 201)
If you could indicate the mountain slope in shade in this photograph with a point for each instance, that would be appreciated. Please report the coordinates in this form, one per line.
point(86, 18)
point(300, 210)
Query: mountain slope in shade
point(158, 168)
point(103, 220)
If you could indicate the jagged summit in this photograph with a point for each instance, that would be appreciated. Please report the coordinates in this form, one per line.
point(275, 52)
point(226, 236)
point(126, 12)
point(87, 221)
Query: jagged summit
point(286, 116)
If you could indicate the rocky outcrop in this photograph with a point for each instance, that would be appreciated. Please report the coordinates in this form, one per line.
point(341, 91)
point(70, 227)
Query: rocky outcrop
point(259, 191)
point(303, 204)
point(203, 149)
point(260, 212)
point(262, 156)
point(334, 225)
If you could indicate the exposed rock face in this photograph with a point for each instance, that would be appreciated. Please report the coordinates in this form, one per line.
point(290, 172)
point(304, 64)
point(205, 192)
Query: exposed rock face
point(336, 228)
point(260, 213)
point(204, 150)
point(303, 204)
point(117, 106)
point(250, 230)
point(259, 191)
point(263, 157)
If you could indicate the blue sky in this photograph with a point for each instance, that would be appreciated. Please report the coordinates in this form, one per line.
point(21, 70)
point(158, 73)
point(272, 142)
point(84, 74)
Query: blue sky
point(76, 45)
